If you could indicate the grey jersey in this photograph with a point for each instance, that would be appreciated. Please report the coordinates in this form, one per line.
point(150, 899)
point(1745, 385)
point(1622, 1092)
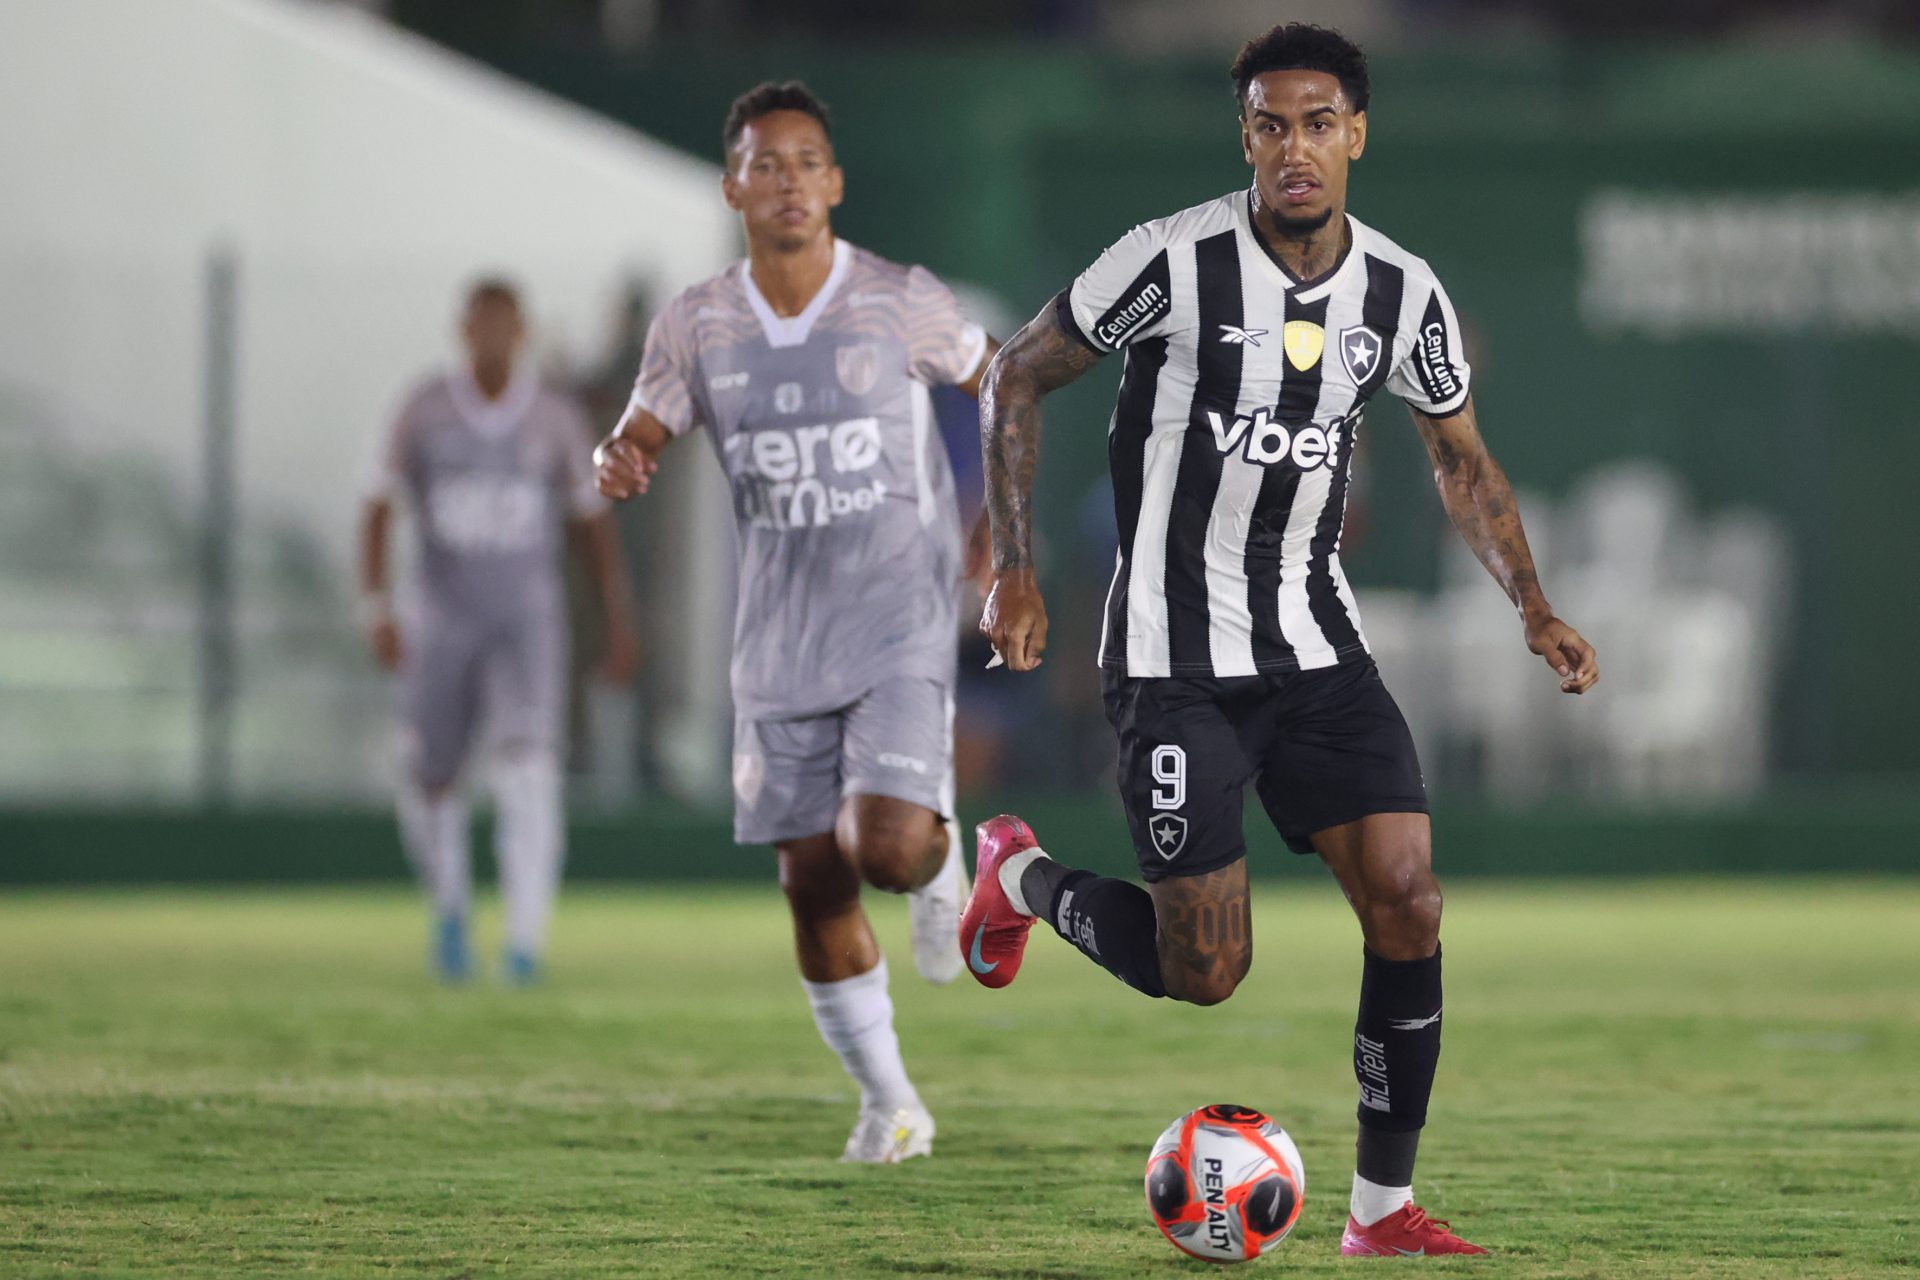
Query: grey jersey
point(491, 484)
point(849, 538)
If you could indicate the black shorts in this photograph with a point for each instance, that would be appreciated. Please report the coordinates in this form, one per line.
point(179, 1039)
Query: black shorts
point(1324, 747)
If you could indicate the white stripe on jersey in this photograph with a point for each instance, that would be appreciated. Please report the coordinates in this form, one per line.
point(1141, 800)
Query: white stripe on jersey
point(922, 428)
point(1231, 459)
point(1146, 589)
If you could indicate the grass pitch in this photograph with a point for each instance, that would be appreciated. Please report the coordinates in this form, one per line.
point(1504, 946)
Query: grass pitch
point(1645, 1079)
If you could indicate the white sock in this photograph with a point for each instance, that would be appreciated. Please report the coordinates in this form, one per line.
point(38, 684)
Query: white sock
point(433, 830)
point(855, 1017)
point(1010, 872)
point(529, 844)
point(1372, 1202)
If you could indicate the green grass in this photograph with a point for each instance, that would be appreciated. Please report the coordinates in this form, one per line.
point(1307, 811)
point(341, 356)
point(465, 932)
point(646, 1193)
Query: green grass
point(1640, 1079)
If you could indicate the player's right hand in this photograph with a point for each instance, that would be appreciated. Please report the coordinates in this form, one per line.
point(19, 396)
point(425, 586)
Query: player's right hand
point(621, 468)
point(383, 637)
point(1015, 618)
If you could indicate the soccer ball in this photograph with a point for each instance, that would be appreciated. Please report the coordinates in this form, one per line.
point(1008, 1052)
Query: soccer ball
point(1225, 1184)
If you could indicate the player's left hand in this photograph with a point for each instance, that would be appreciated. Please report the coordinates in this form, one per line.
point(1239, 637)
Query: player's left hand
point(1571, 657)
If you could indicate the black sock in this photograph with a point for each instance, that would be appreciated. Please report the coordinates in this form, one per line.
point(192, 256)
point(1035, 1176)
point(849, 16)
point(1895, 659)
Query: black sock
point(1111, 921)
point(1396, 1046)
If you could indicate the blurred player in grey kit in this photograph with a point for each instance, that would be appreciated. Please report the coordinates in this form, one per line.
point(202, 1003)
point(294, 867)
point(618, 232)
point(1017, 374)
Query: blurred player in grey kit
point(494, 468)
point(810, 366)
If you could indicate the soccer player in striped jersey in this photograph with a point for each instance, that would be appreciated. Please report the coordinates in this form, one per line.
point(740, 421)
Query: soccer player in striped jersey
point(1256, 328)
point(810, 365)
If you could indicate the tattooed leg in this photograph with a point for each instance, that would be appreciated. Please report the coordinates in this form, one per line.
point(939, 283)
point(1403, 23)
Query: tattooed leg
point(1205, 933)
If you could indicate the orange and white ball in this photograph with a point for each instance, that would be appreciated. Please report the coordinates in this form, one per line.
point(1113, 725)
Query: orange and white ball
point(1225, 1183)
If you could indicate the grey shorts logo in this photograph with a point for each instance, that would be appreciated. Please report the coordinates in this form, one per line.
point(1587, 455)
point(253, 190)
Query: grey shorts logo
point(894, 760)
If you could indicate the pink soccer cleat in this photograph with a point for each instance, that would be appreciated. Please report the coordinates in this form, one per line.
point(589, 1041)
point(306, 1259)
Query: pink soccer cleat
point(1407, 1233)
point(993, 936)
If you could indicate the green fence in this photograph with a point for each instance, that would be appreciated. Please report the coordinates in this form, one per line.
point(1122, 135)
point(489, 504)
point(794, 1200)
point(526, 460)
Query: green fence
point(1868, 833)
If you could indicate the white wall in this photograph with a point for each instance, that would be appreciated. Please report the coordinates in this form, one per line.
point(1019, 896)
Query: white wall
point(362, 177)
point(360, 174)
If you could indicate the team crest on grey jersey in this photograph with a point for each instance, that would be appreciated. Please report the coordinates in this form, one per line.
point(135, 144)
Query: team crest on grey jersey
point(858, 367)
point(1361, 350)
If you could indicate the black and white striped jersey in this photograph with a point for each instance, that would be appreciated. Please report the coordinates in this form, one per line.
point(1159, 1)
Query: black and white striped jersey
point(1233, 433)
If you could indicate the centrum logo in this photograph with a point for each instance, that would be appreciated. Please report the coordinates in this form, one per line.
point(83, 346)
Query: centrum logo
point(1264, 441)
point(1115, 324)
point(1441, 380)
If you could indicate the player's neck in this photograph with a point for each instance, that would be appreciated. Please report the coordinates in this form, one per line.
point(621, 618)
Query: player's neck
point(1307, 254)
point(789, 278)
point(492, 377)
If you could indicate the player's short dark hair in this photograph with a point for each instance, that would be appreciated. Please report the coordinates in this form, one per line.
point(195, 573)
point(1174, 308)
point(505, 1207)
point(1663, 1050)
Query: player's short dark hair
point(1301, 46)
point(493, 289)
point(764, 99)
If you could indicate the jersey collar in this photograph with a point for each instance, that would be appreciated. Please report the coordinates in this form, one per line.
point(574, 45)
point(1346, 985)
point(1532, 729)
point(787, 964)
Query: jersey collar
point(493, 417)
point(791, 331)
point(1302, 290)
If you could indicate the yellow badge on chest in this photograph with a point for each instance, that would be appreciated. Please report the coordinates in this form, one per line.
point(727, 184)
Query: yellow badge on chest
point(1304, 340)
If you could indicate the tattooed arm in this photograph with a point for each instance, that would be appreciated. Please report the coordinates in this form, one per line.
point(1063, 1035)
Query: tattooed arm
point(1038, 359)
point(1481, 505)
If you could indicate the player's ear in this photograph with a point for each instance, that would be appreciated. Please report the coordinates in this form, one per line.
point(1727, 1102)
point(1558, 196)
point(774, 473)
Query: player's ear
point(837, 187)
point(730, 187)
point(1246, 138)
point(1359, 135)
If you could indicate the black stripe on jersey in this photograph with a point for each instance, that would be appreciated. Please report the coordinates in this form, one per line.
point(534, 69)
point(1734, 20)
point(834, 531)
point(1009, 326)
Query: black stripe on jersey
point(1127, 458)
point(1143, 302)
point(1299, 397)
point(1216, 388)
point(1432, 361)
point(1323, 597)
point(1380, 312)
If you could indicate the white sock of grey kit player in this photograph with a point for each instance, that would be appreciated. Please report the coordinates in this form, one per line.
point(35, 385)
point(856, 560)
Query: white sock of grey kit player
point(855, 1017)
point(433, 831)
point(529, 844)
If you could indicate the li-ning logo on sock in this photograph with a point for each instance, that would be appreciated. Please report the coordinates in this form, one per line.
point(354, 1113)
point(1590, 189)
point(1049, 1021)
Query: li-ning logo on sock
point(1370, 1064)
point(1413, 1024)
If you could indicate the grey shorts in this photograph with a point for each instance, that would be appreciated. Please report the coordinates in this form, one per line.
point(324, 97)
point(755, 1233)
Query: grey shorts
point(789, 775)
point(458, 677)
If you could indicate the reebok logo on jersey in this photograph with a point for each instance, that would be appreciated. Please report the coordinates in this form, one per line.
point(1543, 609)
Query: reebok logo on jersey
point(1263, 441)
point(1234, 335)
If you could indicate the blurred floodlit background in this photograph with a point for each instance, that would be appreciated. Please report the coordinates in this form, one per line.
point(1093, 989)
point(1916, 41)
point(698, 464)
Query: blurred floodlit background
point(1685, 237)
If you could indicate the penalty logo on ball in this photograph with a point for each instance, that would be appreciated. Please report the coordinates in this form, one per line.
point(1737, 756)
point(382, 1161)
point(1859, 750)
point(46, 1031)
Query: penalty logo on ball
point(1225, 1183)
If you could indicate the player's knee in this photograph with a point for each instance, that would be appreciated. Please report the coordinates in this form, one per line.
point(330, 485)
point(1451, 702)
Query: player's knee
point(894, 855)
point(891, 859)
point(1206, 986)
point(1404, 923)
